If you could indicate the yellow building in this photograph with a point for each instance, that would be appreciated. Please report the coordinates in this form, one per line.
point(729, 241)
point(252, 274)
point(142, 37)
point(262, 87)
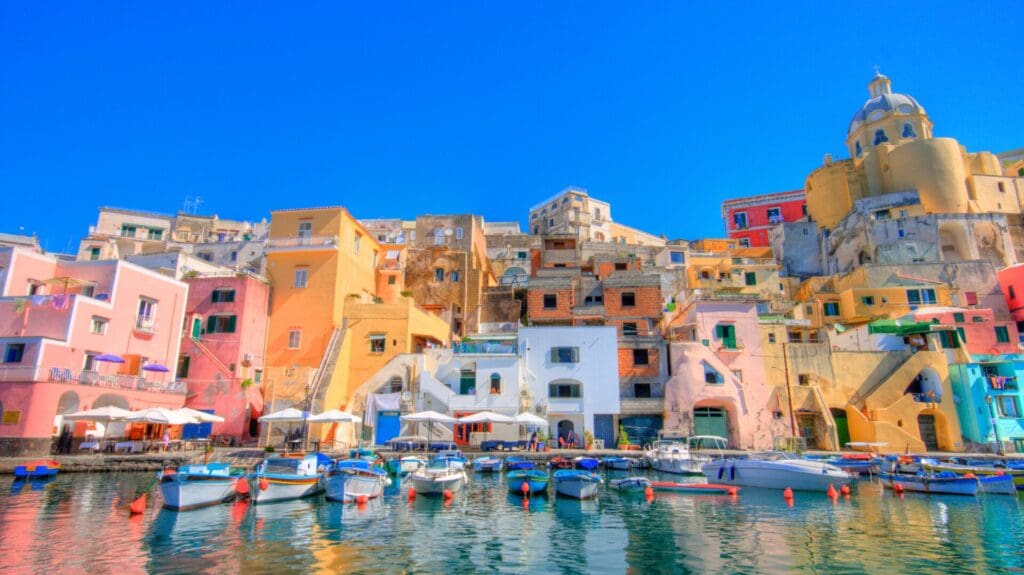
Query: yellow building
point(713, 266)
point(857, 297)
point(892, 150)
point(319, 261)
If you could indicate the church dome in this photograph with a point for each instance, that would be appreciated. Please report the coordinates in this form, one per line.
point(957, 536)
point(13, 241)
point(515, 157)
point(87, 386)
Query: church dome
point(883, 102)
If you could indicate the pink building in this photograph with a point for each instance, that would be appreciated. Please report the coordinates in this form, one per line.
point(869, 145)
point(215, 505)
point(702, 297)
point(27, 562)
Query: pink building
point(222, 349)
point(57, 317)
point(1011, 281)
point(978, 329)
point(718, 383)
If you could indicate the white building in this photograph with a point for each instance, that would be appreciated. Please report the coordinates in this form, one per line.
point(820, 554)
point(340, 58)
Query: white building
point(572, 378)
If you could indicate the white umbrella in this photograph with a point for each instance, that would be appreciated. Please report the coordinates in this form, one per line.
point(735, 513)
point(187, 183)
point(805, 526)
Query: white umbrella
point(429, 417)
point(160, 415)
point(290, 415)
point(486, 417)
point(200, 416)
point(103, 414)
point(527, 418)
point(335, 416)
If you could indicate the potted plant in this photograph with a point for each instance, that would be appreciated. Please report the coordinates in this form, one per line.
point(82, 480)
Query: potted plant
point(623, 437)
point(588, 439)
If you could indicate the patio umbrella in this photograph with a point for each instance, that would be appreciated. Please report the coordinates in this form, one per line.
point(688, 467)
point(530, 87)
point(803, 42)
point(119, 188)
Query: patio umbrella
point(200, 416)
point(486, 417)
point(530, 420)
point(290, 415)
point(429, 417)
point(100, 414)
point(156, 367)
point(336, 416)
point(109, 358)
point(161, 416)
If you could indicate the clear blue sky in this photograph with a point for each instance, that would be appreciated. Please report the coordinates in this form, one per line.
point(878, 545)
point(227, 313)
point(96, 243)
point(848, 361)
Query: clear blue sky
point(393, 110)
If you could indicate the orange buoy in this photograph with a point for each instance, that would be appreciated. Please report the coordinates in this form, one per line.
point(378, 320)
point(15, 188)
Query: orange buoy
point(897, 487)
point(525, 488)
point(138, 506)
point(787, 494)
point(832, 491)
point(845, 490)
point(733, 491)
point(242, 486)
point(649, 492)
point(361, 500)
point(970, 476)
point(264, 484)
point(412, 494)
point(1000, 472)
point(448, 494)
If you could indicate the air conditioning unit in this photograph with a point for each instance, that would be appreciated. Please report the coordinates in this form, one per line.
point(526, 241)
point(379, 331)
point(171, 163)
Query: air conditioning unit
point(246, 357)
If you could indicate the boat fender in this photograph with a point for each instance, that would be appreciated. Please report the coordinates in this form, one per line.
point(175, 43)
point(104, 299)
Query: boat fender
point(845, 490)
point(242, 486)
point(264, 484)
point(787, 494)
point(525, 487)
point(1000, 473)
point(412, 494)
point(448, 494)
point(733, 491)
point(361, 500)
point(897, 487)
point(970, 476)
point(732, 473)
point(832, 493)
point(721, 471)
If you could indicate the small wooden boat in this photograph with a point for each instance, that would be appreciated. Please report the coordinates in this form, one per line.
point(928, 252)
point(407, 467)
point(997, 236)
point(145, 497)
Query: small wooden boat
point(351, 479)
point(37, 469)
point(630, 484)
point(536, 481)
point(560, 462)
point(586, 463)
point(977, 468)
point(283, 478)
point(695, 488)
point(621, 463)
point(928, 483)
point(997, 485)
point(488, 463)
point(438, 476)
point(405, 465)
point(516, 463)
point(195, 486)
point(577, 483)
point(451, 456)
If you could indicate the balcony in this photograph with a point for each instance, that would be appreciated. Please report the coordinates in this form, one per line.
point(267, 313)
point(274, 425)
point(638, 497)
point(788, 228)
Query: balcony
point(66, 375)
point(641, 405)
point(508, 347)
point(311, 243)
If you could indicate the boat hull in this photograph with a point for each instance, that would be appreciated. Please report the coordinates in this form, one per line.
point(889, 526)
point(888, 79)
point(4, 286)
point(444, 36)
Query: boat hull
point(536, 482)
point(695, 488)
point(577, 486)
point(284, 488)
point(438, 484)
point(36, 469)
point(997, 485)
point(621, 464)
point(630, 484)
point(491, 464)
point(349, 487)
point(184, 493)
point(677, 466)
point(932, 485)
point(979, 471)
point(799, 475)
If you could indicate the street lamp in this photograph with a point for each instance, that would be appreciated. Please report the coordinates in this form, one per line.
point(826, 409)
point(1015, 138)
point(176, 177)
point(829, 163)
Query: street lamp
point(995, 424)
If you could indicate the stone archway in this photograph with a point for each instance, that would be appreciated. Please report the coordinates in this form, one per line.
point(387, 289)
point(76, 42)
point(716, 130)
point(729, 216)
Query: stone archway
point(69, 402)
point(954, 242)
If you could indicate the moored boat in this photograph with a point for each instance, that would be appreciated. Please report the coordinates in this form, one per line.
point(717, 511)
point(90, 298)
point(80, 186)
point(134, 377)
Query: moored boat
point(349, 480)
point(586, 463)
point(195, 486)
point(977, 469)
point(517, 463)
point(37, 469)
point(454, 457)
point(559, 462)
point(630, 484)
point(536, 481)
point(620, 463)
point(997, 485)
point(576, 483)
point(776, 470)
point(674, 455)
point(695, 488)
point(937, 484)
point(488, 463)
point(437, 477)
point(405, 465)
point(283, 478)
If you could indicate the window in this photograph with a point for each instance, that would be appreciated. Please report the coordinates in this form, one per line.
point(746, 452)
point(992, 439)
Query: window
point(94, 253)
point(744, 242)
point(521, 255)
point(915, 297)
point(928, 296)
point(257, 376)
point(857, 152)
point(127, 231)
point(458, 233)
point(565, 355)
point(495, 384)
point(629, 328)
point(147, 313)
point(908, 131)
point(453, 276)
point(1002, 334)
point(958, 317)
point(962, 334)
point(33, 288)
point(1008, 406)
point(183, 364)
point(378, 342)
point(727, 334)
point(1001, 186)
point(948, 340)
point(305, 229)
point(771, 338)
point(234, 256)
point(438, 274)
point(223, 296)
point(977, 318)
point(868, 300)
point(294, 338)
point(550, 301)
point(99, 325)
point(564, 390)
point(677, 257)
point(641, 357)
point(880, 137)
point(971, 297)
point(750, 278)
point(628, 299)
point(1010, 290)
point(803, 379)
point(774, 215)
point(831, 308)
point(392, 280)
point(89, 361)
point(882, 215)
point(597, 214)
point(155, 234)
point(739, 220)
point(14, 353)
point(220, 324)
point(619, 267)
point(467, 382)
point(641, 390)
point(711, 375)
point(438, 236)
point(356, 241)
point(301, 278)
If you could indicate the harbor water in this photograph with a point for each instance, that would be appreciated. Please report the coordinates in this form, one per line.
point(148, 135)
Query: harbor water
point(75, 523)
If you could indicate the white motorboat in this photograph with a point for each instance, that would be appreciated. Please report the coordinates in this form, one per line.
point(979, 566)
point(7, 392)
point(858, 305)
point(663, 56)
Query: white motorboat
point(776, 470)
point(352, 479)
point(437, 477)
point(282, 478)
point(194, 486)
point(676, 455)
point(576, 483)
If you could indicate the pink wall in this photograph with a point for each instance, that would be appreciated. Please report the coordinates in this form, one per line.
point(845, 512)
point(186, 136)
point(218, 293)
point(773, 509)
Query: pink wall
point(1011, 281)
point(980, 334)
point(212, 383)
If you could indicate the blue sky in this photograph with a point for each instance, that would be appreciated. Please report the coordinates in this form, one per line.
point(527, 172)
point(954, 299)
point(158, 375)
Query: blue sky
point(395, 109)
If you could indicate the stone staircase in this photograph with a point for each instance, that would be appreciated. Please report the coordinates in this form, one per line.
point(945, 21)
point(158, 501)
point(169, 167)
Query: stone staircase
point(324, 373)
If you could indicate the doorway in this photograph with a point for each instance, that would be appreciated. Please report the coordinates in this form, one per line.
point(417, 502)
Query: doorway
point(842, 426)
point(564, 427)
point(926, 427)
point(710, 421)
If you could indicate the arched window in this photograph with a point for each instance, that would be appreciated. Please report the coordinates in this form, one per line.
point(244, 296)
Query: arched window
point(908, 131)
point(495, 384)
point(856, 149)
point(880, 137)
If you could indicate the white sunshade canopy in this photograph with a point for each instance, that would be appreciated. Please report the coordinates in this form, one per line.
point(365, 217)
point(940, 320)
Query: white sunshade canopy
point(429, 416)
point(108, 413)
point(527, 418)
point(200, 416)
point(290, 415)
point(335, 416)
point(486, 417)
point(160, 415)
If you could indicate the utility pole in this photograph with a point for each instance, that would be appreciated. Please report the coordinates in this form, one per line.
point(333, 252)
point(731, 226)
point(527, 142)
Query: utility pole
point(789, 392)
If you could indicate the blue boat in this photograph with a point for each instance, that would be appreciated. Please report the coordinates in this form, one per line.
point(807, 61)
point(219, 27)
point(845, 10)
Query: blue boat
point(451, 458)
point(576, 483)
point(516, 463)
point(944, 483)
point(623, 463)
point(488, 463)
point(586, 463)
point(37, 469)
point(536, 481)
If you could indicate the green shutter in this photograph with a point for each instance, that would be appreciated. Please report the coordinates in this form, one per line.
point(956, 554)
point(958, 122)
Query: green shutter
point(230, 327)
point(215, 296)
point(963, 335)
point(751, 278)
point(211, 324)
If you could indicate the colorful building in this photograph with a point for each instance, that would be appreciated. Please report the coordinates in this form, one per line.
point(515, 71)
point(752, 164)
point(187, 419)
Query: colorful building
point(748, 220)
point(79, 335)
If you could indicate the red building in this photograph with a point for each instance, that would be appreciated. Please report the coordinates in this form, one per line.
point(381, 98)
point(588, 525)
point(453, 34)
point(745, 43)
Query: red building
point(749, 219)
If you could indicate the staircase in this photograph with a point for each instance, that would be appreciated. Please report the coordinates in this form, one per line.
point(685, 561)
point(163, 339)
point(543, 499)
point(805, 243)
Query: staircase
point(324, 373)
point(862, 395)
point(213, 358)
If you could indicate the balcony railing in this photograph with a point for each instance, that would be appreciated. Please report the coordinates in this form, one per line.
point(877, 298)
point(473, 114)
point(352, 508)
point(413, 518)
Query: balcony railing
point(487, 347)
point(31, 374)
point(303, 243)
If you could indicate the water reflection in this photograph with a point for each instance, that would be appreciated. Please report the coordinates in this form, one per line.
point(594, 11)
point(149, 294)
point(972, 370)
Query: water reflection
point(487, 529)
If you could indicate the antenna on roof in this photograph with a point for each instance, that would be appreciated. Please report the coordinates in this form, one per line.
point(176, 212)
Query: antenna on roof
point(187, 205)
point(195, 204)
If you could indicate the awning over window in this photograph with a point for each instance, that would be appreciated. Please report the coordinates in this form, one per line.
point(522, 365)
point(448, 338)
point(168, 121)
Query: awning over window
point(899, 327)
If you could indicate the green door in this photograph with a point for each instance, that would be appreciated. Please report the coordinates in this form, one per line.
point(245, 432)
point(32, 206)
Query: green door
point(726, 333)
point(197, 327)
point(842, 427)
point(710, 421)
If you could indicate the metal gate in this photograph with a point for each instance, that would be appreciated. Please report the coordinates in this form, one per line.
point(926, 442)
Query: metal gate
point(710, 421)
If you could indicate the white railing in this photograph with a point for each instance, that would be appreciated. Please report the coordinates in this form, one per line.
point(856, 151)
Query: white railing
point(305, 241)
point(29, 373)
